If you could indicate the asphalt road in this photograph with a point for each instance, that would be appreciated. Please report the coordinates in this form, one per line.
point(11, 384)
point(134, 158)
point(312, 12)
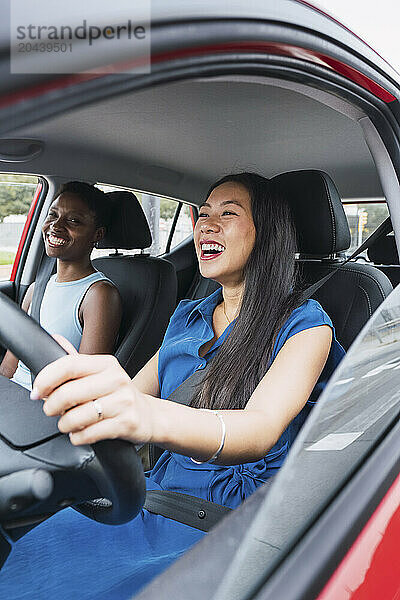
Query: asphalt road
point(368, 388)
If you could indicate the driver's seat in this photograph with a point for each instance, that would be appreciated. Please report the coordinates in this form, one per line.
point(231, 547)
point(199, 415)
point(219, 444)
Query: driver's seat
point(356, 290)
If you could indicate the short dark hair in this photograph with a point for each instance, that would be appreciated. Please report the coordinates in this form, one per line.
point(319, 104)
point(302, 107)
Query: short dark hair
point(95, 199)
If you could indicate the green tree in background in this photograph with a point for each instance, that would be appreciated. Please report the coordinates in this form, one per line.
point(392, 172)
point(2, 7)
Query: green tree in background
point(167, 208)
point(377, 213)
point(16, 193)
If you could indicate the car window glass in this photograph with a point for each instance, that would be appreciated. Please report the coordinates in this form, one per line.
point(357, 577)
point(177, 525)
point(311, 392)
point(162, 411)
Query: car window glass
point(355, 409)
point(160, 213)
point(16, 195)
point(364, 216)
point(184, 226)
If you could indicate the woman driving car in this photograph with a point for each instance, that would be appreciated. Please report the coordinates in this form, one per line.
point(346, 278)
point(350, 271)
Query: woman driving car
point(268, 356)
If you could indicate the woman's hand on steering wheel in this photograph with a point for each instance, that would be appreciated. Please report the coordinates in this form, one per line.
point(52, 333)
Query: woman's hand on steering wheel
point(94, 397)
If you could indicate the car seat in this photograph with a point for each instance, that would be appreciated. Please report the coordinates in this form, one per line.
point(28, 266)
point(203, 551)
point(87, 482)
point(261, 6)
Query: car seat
point(383, 253)
point(147, 284)
point(354, 292)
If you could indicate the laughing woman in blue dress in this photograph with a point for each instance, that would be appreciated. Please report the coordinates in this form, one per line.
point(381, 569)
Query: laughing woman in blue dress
point(271, 357)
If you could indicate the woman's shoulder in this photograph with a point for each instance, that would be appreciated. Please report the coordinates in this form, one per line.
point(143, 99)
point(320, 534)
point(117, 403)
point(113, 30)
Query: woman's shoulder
point(310, 311)
point(186, 306)
point(309, 314)
point(99, 276)
point(205, 305)
point(99, 284)
point(101, 290)
point(181, 315)
point(187, 315)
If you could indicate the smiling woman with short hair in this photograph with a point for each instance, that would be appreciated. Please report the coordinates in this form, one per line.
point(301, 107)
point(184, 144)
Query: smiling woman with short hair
point(79, 302)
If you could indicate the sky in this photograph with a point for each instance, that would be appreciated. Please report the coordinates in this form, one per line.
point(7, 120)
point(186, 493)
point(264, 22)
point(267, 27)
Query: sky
point(376, 22)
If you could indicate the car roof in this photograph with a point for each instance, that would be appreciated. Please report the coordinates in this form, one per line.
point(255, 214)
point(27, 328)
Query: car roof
point(299, 13)
point(174, 139)
point(177, 138)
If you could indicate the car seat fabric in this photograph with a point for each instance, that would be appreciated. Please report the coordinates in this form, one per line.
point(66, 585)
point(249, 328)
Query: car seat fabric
point(383, 253)
point(147, 285)
point(354, 292)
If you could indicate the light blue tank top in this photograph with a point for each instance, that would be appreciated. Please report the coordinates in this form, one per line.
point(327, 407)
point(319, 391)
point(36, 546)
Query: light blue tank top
point(59, 313)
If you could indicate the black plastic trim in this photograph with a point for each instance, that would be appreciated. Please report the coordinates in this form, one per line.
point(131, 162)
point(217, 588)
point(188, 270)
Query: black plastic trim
point(176, 35)
point(332, 42)
point(173, 227)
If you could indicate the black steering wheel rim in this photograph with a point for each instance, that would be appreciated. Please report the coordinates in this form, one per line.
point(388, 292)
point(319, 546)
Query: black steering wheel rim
point(117, 471)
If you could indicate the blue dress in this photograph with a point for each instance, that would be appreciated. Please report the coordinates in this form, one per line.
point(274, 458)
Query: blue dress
point(70, 556)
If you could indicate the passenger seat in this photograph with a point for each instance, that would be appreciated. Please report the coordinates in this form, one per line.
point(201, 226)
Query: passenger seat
point(147, 285)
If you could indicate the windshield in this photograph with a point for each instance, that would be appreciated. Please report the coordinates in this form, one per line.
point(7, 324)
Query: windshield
point(360, 402)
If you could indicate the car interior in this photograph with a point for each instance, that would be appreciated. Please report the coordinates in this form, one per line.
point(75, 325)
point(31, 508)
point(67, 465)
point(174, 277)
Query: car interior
point(172, 141)
point(126, 141)
point(383, 253)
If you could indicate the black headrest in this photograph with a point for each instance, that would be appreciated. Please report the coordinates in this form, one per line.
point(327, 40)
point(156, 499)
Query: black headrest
point(383, 251)
point(129, 229)
point(317, 210)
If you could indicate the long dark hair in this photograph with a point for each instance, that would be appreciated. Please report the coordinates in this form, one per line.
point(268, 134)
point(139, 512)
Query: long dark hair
point(269, 297)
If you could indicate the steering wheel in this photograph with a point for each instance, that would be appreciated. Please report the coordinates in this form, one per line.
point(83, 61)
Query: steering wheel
point(40, 470)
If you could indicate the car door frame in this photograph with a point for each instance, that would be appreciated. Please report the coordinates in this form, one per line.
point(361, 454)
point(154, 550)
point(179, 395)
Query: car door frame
point(220, 48)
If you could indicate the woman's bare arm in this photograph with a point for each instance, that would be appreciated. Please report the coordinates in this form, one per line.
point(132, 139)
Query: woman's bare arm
point(10, 362)
point(139, 417)
point(101, 312)
point(146, 380)
point(251, 432)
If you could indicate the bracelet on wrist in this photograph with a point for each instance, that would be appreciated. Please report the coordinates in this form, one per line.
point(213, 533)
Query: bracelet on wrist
point(221, 444)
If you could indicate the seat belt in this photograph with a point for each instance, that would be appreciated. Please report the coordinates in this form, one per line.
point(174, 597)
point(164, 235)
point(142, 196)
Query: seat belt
point(46, 269)
point(383, 229)
point(190, 510)
point(197, 512)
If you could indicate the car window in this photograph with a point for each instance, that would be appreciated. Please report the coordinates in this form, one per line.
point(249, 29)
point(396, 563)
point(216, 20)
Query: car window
point(184, 226)
point(16, 195)
point(357, 407)
point(160, 213)
point(364, 216)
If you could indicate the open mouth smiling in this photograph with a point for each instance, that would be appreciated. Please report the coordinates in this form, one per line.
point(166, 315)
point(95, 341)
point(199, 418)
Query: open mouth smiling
point(210, 250)
point(55, 241)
